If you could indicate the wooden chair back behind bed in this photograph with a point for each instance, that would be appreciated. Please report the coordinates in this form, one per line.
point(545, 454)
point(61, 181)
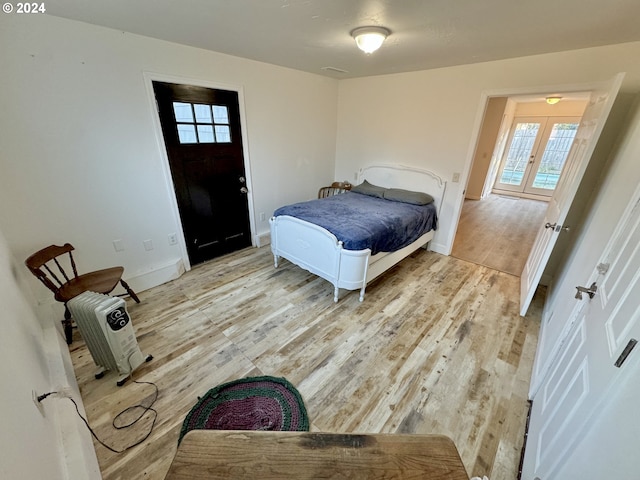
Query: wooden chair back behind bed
point(335, 188)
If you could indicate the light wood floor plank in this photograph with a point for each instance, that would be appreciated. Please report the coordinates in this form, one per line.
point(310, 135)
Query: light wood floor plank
point(436, 347)
point(498, 231)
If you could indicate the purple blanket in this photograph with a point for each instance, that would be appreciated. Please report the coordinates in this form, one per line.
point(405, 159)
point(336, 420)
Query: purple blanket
point(361, 221)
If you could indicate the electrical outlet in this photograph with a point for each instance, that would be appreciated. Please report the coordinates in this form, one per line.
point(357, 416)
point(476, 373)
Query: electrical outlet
point(262, 217)
point(118, 245)
point(173, 239)
point(456, 178)
point(148, 245)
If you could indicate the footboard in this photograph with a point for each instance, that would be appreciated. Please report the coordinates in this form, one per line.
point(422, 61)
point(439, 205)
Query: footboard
point(318, 251)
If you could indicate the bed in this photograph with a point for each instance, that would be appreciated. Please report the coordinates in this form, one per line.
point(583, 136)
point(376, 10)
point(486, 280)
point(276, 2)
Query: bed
point(323, 253)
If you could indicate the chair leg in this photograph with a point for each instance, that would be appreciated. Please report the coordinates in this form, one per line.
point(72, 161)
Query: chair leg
point(68, 326)
point(131, 293)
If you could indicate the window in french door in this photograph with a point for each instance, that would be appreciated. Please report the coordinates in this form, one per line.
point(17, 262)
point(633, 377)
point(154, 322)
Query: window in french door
point(538, 148)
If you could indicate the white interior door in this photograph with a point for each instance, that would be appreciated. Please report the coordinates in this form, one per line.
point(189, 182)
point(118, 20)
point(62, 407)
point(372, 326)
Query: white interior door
point(594, 354)
point(593, 120)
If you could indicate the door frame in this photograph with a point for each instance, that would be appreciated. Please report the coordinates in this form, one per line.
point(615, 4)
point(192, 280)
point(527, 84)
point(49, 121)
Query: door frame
point(542, 91)
point(149, 78)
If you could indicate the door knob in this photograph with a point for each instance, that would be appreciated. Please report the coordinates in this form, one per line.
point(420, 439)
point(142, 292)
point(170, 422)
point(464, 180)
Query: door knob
point(244, 190)
point(591, 291)
point(556, 227)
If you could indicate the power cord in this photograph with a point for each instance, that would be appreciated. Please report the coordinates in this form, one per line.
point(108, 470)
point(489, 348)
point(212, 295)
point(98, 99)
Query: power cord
point(144, 410)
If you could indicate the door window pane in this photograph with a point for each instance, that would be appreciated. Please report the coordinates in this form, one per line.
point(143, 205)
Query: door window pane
point(205, 134)
point(203, 113)
point(522, 143)
point(223, 134)
point(187, 133)
point(220, 114)
point(182, 112)
point(555, 154)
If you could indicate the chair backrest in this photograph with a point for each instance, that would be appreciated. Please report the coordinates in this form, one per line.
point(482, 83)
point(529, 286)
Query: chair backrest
point(46, 265)
point(336, 188)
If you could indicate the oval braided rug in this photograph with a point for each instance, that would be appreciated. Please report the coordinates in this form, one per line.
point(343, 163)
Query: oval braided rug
point(253, 403)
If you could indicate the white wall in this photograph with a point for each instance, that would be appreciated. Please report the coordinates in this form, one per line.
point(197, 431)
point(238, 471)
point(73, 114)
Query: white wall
point(484, 153)
point(431, 118)
point(32, 442)
point(82, 161)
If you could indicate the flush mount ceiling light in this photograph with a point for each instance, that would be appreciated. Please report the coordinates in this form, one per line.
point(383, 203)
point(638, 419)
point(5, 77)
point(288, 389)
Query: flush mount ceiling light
point(369, 39)
point(553, 100)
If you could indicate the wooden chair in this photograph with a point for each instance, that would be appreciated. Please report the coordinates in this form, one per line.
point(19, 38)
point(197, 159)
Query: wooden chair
point(45, 263)
point(336, 188)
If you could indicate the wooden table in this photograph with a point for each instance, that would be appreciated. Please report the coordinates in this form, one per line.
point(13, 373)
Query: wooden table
point(261, 455)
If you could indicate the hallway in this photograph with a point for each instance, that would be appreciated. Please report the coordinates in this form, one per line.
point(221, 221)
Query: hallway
point(498, 232)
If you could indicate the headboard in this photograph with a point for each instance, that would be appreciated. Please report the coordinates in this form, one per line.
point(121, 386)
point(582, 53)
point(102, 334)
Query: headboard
point(408, 178)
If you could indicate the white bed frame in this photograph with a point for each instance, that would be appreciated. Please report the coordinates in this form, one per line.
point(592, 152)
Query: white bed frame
point(317, 250)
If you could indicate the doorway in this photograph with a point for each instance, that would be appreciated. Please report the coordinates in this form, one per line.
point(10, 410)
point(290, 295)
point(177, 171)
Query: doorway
point(203, 140)
point(509, 217)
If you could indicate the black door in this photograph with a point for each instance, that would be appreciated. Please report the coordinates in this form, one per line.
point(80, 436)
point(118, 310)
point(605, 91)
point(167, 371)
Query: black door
point(201, 128)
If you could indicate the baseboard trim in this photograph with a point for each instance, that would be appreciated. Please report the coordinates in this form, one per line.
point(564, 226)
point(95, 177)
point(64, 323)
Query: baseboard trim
point(77, 456)
point(158, 276)
point(438, 248)
point(263, 239)
point(530, 196)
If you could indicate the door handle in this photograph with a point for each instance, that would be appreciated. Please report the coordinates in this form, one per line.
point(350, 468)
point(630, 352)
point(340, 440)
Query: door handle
point(625, 353)
point(244, 190)
point(591, 291)
point(557, 227)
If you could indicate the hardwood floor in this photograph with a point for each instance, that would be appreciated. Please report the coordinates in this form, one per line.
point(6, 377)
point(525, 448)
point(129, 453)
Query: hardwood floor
point(498, 231)
point(437, 346)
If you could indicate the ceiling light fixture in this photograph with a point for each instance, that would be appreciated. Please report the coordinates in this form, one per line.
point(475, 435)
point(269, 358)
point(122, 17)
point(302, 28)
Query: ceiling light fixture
point(553, 100)
point(369, 39)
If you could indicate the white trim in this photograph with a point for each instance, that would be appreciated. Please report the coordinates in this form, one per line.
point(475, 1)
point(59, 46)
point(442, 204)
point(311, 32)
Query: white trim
point(263, 238)
point(158, 276)
point(77, 454)
point(530, 196)
point(149, 78)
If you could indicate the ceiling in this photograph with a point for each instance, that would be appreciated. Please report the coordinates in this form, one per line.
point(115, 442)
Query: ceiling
point(313, 35)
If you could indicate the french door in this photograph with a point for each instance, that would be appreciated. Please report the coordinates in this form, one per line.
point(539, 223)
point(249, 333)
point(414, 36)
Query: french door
point(538, 149)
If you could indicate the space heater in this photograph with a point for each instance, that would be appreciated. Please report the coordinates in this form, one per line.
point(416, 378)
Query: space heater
point(105, 326)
